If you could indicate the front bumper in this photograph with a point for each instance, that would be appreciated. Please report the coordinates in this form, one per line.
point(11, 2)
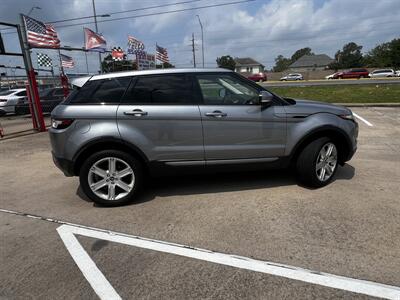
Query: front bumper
point(65, 165)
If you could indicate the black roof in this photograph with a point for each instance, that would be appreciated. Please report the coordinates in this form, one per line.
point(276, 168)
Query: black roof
point(246, 61)
point(318, 60)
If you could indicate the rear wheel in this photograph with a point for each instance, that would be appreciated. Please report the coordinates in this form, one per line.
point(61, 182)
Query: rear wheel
point(317, 163)
point(111, 177)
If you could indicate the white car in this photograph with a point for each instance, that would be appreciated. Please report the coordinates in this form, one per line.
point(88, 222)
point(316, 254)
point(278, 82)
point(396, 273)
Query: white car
point(382, 73)
point(9, 98)
point(292, 76)
point(398, 73)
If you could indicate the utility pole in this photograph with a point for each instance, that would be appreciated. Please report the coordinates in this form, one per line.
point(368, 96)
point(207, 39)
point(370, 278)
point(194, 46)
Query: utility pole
point(194, 52)
point(202, 40)
point(97, 30)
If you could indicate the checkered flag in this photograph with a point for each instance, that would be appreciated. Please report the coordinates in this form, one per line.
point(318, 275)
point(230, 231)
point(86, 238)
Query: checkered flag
point(44, 60)
point(118, 54)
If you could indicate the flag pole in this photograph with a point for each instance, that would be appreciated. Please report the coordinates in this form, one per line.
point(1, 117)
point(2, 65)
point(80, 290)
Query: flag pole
point(30, 72)
point(84, 46)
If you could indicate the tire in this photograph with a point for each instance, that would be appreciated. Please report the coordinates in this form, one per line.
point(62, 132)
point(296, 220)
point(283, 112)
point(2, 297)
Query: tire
point(125, 188)
point(306, 164)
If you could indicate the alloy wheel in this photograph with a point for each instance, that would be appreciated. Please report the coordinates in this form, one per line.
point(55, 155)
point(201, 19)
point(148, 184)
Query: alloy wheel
point(326, 162)
point(111, 178)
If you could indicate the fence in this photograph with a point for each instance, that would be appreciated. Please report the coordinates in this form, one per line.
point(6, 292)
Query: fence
point(16, 116)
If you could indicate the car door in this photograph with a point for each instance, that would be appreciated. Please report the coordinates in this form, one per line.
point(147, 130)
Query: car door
point(160, 116)
point(235, 125)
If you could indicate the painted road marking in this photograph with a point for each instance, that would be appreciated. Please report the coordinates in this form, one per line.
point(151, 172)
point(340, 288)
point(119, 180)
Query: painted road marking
point(105, 290)
point(362, 119)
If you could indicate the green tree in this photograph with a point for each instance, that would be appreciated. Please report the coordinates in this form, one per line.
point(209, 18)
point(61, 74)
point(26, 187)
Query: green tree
point(384, 55)
point(281, 63)
point(109, 65)
point(226, 62)
point(349, 57)
point(301, 52)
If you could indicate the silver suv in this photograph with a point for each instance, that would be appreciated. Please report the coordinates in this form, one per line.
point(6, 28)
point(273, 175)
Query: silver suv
point(115, 129)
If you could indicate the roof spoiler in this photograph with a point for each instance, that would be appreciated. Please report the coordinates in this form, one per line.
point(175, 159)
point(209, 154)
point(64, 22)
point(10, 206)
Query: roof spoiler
point(79, 82)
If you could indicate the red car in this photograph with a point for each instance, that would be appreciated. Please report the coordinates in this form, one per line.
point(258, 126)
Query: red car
point(353, 73)
point(258, 77)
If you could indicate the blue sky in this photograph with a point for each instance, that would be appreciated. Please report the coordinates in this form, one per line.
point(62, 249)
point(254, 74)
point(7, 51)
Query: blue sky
point(261, 29)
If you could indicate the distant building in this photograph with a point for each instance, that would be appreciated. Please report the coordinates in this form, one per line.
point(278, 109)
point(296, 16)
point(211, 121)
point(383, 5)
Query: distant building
point(311, 63)
point(248, 66)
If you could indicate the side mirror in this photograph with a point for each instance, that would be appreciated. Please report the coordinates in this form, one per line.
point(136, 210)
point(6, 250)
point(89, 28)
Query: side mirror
point(265, 98)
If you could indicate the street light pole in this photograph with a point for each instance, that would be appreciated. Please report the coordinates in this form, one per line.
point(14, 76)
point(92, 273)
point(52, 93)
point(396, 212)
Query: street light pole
point(32, 9)
point(202, 40)
point(97, 30)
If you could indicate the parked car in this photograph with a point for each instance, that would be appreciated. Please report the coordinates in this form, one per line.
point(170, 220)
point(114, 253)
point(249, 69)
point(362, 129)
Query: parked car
point(49, 98)
point(353, 73)
point(118, 127)
point(292, 76)
point(9, 98)
point(331, 76)
point(382, 73)
point(398, 73)
point(259, 77)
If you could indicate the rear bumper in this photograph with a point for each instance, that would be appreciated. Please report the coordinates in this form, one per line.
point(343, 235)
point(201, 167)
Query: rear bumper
point(65, 165)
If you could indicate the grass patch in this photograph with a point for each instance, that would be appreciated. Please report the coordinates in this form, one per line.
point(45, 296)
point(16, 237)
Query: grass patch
point(371, 93)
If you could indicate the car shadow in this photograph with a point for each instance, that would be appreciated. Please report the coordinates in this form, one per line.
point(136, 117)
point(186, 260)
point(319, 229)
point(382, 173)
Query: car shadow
point(220, 183)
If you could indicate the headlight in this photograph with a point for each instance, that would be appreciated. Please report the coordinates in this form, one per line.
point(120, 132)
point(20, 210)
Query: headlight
point(349, 116)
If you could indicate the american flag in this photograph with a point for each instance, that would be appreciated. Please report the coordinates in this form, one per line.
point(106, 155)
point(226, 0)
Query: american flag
point(40, 34)
point(162, 54)
point(67, 61)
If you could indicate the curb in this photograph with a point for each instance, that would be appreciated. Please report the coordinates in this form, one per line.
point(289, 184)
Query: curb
point(369, 104)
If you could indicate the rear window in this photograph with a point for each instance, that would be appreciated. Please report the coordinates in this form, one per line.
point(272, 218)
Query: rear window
point(105, 91)
point(160, 89)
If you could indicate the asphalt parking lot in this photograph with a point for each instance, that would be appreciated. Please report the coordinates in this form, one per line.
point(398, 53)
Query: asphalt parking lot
point(351, 228)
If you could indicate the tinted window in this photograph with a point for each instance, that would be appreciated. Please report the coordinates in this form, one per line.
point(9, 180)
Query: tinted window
point(108, 90)
point(225, 89)
point(23, 93)
point(59, 92)
point(161, 89)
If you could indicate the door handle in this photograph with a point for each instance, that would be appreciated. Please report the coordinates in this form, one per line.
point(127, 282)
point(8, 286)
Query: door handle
point(216, 113)
point(136, 113)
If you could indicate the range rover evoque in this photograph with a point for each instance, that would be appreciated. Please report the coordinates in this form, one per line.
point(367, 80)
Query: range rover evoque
point(116, 129)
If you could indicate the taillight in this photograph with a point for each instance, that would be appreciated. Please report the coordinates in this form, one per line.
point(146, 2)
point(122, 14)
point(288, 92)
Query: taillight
point(61, 123)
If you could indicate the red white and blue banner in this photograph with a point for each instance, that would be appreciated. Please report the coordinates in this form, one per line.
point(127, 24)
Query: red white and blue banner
point(94, 41)
point(135, 46)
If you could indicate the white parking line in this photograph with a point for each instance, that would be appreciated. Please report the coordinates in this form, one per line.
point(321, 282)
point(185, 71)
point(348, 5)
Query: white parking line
point(362, 119)
point(105, 290)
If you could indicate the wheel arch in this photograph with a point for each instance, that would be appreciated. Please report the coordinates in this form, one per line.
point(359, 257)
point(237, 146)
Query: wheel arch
point(336, 134)
point(107, 143)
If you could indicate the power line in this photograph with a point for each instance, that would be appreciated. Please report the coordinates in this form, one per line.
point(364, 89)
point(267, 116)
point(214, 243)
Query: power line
point(150, 14)
point(160, 13)
point(129, 10)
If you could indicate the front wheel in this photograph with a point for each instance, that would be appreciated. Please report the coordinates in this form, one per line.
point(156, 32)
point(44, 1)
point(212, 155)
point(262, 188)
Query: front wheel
point(111, 177)
point(317, 163)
